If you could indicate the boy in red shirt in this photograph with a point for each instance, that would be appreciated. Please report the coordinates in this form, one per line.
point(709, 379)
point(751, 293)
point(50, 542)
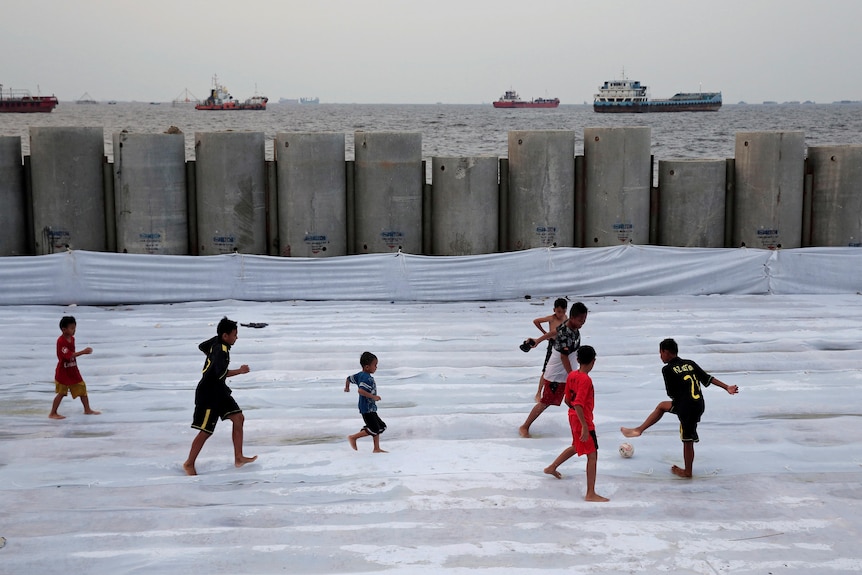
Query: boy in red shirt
point(67, 378)
point(580, 397)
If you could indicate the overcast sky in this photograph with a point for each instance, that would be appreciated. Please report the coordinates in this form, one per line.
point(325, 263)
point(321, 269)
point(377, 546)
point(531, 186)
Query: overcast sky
point(451, 51)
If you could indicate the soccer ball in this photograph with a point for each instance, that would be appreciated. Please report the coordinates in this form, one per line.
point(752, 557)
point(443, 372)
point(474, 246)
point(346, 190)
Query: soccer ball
point(627, 450)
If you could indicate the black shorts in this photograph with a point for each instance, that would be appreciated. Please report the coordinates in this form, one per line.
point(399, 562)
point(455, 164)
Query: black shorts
point(373, 424)
point(548, 354)
point(206, 417)
point(688, 421)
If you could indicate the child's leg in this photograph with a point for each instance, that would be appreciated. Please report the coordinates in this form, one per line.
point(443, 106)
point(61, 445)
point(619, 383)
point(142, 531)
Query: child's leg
point(55, 406)
point(197, 445)
point(566, 454)
point(592, 461)
point(537, 410)
point(238, 458)
point(376, 439)
point(688, 457)
point(352, 438)
point(651, 420)
point(86, 403)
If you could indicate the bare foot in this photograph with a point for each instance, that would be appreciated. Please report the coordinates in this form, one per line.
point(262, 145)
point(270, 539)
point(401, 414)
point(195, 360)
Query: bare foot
point(243, 460)
point(524, 431)
point(189, 468)
point(56, 416)
point(629, 432)
point(92, 412)
point(378, 450)
point(679, 471)
point(595, 497)
point(352, 441)
point(553, 472)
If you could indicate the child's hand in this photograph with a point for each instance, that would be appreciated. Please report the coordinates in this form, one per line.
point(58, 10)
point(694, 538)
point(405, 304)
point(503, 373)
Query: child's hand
point(347, 384)
point(585, 434)
point(244, 368)
point(732, 389)
point(375, 397)
point(87, 350)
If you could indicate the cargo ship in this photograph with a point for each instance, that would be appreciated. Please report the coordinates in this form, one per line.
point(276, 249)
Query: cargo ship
point(220, 99)
point(511, 99)
point(21, 101)
point(630, 96)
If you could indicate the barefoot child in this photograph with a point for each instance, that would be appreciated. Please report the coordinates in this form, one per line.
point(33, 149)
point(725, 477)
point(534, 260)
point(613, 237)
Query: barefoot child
point(368, 399)
point(67, 378)
point(580, 397)
point(683, 379)
point(213, 397)
point(554, 320)
point(567, 339)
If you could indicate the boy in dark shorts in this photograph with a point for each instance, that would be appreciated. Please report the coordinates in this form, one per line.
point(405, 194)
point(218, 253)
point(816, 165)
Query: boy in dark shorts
point(683, 379)
point(67, 378)
point(368, 398)
point(567, 339)
point(213, 397)
point(580, 397)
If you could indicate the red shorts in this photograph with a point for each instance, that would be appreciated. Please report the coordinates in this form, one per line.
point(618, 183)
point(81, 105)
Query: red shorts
point(552, 392)
point(582, 447)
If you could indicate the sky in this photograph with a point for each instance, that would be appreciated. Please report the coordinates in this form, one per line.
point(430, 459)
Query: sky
point(449, 51)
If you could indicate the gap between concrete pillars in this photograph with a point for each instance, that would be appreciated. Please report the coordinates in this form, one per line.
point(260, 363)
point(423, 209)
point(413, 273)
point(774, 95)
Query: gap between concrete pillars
point(427, 215)
point(503, 233)
point(807, 201)
point(270, 199)
point(350, 189)
point(29, 225)
point(654, 203)
point(110, 206)
point(729, 200)
point(580, 201)
point(192, 199)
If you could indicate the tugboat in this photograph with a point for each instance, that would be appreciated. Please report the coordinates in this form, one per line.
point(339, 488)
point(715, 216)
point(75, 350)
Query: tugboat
point(220, 99)
point(22, 102)
point(621, 96)
point(511, 99)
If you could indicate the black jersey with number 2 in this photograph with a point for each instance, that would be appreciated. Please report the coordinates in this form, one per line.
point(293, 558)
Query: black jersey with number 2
point(683, 379)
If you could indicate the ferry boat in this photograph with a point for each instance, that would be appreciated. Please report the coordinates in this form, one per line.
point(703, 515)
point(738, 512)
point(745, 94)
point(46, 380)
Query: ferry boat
point(511, 99)
point(312, 100)
point(630, 96)
point(220, 99)
point(21, 101)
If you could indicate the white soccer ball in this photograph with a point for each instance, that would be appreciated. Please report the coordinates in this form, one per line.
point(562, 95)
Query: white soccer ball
point(627, 450)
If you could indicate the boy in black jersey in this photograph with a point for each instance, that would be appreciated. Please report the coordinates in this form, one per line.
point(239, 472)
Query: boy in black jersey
point(683, 379)
point(213, 398)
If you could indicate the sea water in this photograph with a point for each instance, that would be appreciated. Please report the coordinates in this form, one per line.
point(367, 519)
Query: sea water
point(459, 130)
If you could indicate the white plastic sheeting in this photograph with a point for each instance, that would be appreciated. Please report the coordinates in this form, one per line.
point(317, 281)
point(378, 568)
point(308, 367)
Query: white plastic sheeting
point(96, 278)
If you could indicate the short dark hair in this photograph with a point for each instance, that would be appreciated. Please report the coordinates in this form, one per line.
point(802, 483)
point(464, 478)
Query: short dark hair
point(561, 302)
point(578, 309)
point(586, 354)
point(367, 358)
point(66, 321)
point(669, 345)
point(225, 326)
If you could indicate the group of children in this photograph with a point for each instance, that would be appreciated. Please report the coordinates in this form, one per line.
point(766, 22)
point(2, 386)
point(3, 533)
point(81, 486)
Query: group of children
point(559, 382)
point(213, 397)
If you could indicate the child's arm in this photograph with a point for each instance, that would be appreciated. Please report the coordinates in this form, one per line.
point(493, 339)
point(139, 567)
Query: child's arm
point(585, 433)
point(85, 351)
point(540, 320)
point(346, 384)
point(368, 394)
point(731, 389)
point(242, 369)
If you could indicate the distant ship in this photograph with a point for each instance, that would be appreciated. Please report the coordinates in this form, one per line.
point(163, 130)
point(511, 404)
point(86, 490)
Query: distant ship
point(21, 101)
point(314, 100)
point(511, 99)
point(630, 96)
point(220, 99)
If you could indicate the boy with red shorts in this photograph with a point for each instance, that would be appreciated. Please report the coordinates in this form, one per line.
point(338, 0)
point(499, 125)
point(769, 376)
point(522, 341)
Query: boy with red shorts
point(580, 397)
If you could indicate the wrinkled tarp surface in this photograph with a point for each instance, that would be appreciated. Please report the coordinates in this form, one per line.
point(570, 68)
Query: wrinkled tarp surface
point(97, 278)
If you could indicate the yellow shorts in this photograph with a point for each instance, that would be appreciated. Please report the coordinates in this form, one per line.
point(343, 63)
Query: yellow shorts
point(78, 390)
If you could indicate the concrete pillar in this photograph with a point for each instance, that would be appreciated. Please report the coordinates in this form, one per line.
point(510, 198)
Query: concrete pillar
point(691, 203)
point(68, 193)
point(768, 180)
point(230, 174)
point(13, 215)
point(388, 181)
point(464, 206)
point(541, 203)
point(836, 195)
point(312, 194)
point(150, 194)
point(617, 164)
